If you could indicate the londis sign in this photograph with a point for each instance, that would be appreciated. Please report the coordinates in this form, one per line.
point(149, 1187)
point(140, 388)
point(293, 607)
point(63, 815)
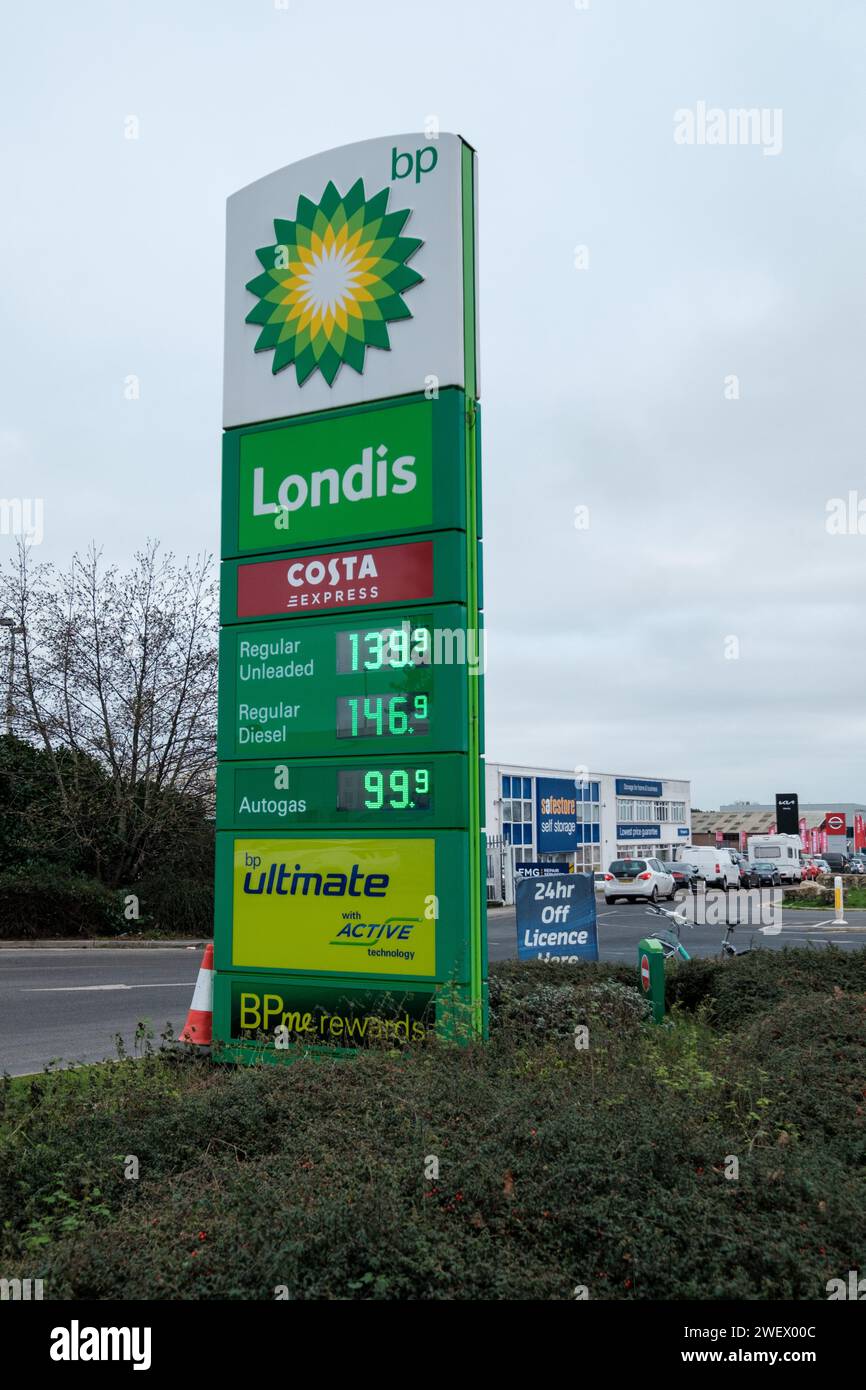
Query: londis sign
point(345, 476)
point(347, 279)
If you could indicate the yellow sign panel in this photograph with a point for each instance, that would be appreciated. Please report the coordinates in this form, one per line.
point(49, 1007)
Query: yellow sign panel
point(350, 906)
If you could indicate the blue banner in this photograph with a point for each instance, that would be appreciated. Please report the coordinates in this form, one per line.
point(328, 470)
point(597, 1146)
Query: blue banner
point(556, 918)
point(637, 786)
point(638, 832)
point(556, 814)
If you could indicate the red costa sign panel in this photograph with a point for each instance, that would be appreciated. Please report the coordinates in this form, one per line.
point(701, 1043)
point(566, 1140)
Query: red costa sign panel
point(343, 579)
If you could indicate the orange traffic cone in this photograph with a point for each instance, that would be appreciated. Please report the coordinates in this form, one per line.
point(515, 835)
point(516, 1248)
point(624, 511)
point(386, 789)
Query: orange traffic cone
point(199, 1023)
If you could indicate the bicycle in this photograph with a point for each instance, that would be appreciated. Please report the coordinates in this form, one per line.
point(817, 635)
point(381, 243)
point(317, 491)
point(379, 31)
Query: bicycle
point(728, 949)
point(669, 938)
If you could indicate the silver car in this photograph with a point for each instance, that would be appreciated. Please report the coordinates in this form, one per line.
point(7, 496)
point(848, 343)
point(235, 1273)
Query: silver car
point(638, 878)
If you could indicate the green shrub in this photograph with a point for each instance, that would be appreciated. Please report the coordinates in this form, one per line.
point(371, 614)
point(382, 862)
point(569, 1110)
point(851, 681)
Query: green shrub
point(41, 900)
point(177, 904)
point(556, 1166)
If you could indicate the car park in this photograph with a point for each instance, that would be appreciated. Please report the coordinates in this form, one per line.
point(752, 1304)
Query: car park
point(637, 878)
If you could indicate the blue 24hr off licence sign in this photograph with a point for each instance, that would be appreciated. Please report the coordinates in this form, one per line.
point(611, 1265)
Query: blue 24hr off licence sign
point(556, 918)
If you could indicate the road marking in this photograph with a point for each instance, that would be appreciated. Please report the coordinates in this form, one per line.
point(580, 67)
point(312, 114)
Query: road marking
point(83, 989)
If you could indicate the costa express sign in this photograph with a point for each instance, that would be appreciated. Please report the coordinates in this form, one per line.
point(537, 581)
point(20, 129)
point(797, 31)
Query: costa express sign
point(415, 571)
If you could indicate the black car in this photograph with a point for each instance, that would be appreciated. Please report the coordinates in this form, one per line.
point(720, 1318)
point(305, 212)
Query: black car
point(763, 873)
point(748, 876)
point(684, 875)
point(838, 863)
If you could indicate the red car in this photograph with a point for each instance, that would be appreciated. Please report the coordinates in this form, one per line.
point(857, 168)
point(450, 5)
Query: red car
point(810, 869)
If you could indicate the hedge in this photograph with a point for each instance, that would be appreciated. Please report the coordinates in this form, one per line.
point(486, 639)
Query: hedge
point(525, 1168)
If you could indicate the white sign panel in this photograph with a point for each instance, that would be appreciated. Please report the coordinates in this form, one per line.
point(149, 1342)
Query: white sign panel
point(344, 279)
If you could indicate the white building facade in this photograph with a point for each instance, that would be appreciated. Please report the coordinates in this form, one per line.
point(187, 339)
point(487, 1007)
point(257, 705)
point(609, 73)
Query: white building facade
point(549, 815)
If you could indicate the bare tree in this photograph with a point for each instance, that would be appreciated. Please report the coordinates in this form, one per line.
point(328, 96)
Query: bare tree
point(116, 676)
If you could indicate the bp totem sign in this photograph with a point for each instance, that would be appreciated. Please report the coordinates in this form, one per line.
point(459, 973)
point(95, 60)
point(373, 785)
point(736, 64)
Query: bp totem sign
point(350, 885)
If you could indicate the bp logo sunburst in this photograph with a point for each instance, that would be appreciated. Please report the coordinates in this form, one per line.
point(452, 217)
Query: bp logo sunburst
point(332, 282)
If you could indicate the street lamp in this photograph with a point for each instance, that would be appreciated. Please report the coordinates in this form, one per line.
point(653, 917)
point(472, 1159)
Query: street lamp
point(13, 629)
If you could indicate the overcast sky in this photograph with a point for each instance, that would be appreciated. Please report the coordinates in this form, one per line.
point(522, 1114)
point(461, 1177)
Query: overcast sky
point(602, 387)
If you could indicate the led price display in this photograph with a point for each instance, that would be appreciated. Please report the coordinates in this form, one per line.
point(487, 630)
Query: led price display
point(322, 683)
point(328, 793)
point(384, 789)
point(382, 716)
point(375, 648)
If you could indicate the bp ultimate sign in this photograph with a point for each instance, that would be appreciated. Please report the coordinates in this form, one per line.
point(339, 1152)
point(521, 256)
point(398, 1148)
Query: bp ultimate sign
point(349, 883)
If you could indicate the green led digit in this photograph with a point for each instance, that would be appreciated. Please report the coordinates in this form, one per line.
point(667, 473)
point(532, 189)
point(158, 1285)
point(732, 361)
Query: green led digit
point(373, 710)
point(422, 781)
point(374, 784)
point(398, 787)
point(421, 646)
point(398, 719)
point(376, 659)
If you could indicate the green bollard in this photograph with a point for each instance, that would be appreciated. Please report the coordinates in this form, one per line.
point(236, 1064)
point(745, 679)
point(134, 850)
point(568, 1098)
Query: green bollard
point(651, 967)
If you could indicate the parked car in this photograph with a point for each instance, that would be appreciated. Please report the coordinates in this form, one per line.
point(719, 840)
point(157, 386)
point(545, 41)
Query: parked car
point(766, 872)
point(683, 875)
point(856, 866)
point(598, 882)
point(748, 877)
point(836, 863)
point(823, 866)
point(809, 869)
point(714, 866)
point(637, 878)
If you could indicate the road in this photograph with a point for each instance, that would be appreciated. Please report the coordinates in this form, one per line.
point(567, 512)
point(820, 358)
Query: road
point(69, 1004)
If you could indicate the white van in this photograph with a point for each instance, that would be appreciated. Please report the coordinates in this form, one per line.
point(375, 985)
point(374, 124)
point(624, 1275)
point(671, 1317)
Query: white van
point(783, 851)
point(714, 866)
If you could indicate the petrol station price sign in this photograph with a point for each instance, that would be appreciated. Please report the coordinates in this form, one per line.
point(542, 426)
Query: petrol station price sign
point(350, 892)
point(341, 687)
point(344, 794)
